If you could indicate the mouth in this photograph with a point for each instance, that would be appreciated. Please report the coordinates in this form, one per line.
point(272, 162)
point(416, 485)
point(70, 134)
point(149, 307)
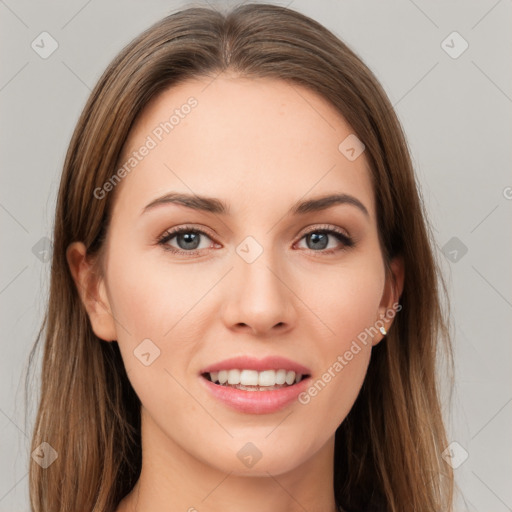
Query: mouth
point(253, 380)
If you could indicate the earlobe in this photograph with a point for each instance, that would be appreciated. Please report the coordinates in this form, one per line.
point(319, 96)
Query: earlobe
point(91, 289)
point(391, 296)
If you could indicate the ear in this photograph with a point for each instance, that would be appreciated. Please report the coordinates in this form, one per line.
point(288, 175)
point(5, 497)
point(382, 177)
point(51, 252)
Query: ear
point(392, 290)
point(92, 291)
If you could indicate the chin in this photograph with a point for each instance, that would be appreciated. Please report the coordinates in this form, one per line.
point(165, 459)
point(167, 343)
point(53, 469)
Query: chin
point(259, 459)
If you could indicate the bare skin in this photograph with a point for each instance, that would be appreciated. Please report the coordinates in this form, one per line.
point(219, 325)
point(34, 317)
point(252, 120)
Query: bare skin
point(259, 146)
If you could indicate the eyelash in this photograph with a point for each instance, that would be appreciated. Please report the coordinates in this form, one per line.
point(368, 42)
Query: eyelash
point(169, 235)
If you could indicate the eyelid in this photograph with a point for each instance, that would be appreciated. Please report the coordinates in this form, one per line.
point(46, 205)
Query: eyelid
point(188, 227)
point(322, 227)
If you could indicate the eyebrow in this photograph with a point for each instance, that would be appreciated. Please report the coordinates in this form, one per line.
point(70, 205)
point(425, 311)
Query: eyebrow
point(214, 205)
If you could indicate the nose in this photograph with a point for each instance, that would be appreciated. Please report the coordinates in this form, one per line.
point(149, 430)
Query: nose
point(259, 297)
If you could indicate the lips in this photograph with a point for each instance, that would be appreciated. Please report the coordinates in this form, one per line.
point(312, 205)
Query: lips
point(253, 397)
point(256, 401)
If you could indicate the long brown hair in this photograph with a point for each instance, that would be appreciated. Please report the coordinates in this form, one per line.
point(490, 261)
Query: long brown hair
point(388, 449)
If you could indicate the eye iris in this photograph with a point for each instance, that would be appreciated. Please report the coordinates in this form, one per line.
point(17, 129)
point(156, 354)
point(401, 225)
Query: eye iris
point(190, 238)
point(318, 237)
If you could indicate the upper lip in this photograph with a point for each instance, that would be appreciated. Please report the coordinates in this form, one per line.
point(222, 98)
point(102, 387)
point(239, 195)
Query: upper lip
point(252, 363)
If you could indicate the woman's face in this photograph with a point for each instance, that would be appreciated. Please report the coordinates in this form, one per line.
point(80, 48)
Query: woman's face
point(259, 278)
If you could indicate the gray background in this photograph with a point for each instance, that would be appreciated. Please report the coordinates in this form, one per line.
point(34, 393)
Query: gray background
point(456, 114)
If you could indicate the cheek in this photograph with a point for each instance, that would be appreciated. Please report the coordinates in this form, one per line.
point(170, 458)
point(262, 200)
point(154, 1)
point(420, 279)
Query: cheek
point(152, 308)
point(348, 301)
point(349, 307)
point(150, 300)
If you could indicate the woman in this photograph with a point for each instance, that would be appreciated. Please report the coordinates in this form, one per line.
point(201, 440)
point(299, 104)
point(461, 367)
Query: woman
point(244, 309)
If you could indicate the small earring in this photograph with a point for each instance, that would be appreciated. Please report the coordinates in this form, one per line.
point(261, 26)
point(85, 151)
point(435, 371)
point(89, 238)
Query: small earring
point(383, 331)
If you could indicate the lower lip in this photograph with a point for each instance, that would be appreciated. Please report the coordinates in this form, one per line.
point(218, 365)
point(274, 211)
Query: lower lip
point(256, 402)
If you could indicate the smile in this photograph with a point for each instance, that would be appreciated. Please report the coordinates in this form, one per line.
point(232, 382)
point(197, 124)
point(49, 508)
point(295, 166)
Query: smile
point(252, 380)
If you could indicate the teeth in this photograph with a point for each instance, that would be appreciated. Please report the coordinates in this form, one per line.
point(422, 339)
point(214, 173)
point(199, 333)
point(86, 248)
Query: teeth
point(234, 377)
point(290, 378)
point(266, 378)
point(249, 377)
point(280, 376)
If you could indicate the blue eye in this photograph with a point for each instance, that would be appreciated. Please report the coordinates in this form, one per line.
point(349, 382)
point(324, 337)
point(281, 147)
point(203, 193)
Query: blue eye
point(319, 238)
point(189, 236)
point(188, 240)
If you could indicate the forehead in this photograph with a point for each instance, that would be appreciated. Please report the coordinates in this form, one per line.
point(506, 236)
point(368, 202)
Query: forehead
point(249, 141)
